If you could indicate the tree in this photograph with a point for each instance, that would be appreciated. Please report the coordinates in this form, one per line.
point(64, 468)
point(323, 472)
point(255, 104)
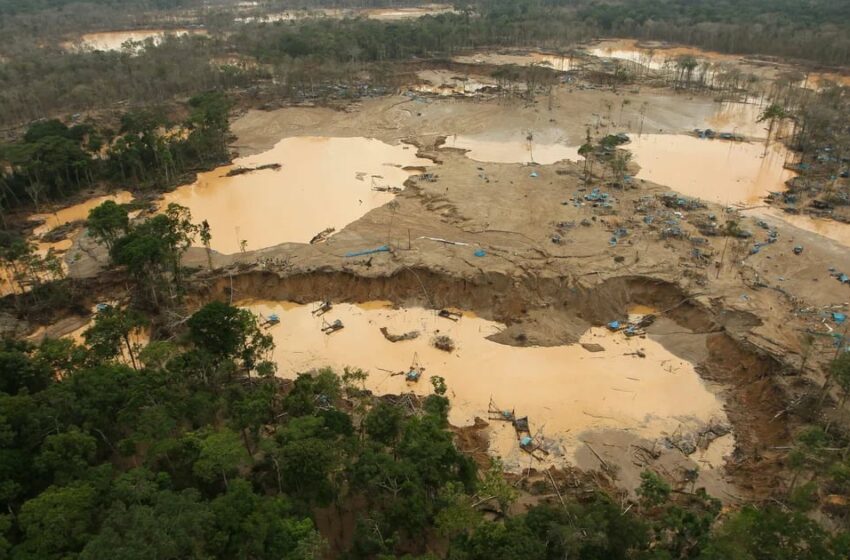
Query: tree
point(206, 237)
point(108, 222)
point(585, 151)
point(162, 524)
point(770, 534)
point(383, 423)
point(229, 333)
point(772, 114)
point(152, 251)
point(839, 369)
point(67, 456)
point(250, 526)
point(511, 540)
point(220, 455)
point(58, 522)
point(19, 372)
point(653, 490)
point(112, 327)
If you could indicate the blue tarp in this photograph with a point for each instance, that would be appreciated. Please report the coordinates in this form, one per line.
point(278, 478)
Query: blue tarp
point(525, 441)
point(839, 317)
point(480, 253)
point(381, 249)
point(614, 325)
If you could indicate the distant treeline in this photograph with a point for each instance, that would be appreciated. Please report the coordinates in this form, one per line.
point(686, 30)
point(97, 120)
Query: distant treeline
point(23, 6)
point(37, 81)
point(817, 30)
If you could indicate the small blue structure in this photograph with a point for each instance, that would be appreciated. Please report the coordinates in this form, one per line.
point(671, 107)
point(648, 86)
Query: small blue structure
point(534, 174)
point(614, 325)
point(381, 249)
point(839, 317)
point(480, 253)
point(525, 441)
point(413, 375)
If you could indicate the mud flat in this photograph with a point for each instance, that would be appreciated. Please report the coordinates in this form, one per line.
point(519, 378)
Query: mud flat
point(322, 183)
point(554, 61)
point(115, 40)
point(566, 391)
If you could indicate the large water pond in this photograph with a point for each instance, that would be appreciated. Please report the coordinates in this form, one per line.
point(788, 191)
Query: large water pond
point(322, 182)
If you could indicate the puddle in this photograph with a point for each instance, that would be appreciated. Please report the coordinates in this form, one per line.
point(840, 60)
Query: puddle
point(323, 182)
point(564, 390)
point(114, 40)
point(515, 149)
point(664, 58)
point(556, 62)
point(831, 229)
point(76, 212)
point(738, 118)
point(715, 170)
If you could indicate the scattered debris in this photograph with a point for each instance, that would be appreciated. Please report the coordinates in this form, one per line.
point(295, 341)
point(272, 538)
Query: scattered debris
point(399, 337)
point(449, 314)
point(244, 170)
point(592, 347)
point(322, 236)
point(443, 342)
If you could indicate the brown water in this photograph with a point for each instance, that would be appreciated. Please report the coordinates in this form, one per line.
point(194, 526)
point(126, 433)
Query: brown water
point(513, 148)
point(738, 118)
point(715, 170)
point(75, 213)
point(115, 40)
point(564, 390)
point(324, 182)
point(831, 229)
point(664, 58)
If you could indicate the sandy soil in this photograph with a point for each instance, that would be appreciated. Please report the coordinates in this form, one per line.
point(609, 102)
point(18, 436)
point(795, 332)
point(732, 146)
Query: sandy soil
point(736, 316)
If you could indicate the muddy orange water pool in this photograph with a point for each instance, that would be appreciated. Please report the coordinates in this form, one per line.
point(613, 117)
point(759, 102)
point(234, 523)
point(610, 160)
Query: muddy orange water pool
point(564, 390)
point(77, 212)
point(831, 229)
point(323, 182)
point(514, 148)
point(716, 170)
